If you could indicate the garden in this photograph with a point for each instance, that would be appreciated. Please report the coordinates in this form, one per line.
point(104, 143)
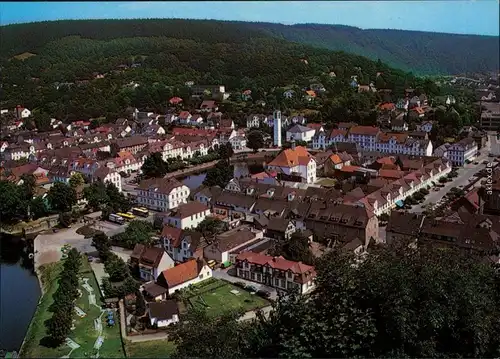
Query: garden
point(217, 296)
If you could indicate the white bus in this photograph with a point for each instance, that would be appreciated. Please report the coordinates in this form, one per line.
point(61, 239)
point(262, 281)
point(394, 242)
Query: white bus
point(116, 218)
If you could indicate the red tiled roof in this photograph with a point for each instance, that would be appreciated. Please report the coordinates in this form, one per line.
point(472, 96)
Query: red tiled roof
point(391, 173)
point(175, 100)
point(364, 130)
point(292, 158)
point(279, 263)
point(181, 273)
point(387, 106)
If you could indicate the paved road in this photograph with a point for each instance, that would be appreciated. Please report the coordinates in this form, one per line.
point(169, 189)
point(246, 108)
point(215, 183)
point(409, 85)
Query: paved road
point(464, 174)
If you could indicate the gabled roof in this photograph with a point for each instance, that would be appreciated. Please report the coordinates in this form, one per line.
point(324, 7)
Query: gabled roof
point(292, 157)
point(180, 274)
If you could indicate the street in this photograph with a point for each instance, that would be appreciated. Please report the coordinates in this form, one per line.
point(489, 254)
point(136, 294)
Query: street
point(464, 174)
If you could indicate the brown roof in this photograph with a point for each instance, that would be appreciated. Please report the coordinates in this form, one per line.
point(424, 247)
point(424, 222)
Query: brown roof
point(154, 289)
point(180, 273)
point(404, 223)
point(233, 238)
point(149, 256)
point(131, 141)
point(364, 130)
point(163, 310)
point(160, 185)
point(174, 234)
point(186, 210)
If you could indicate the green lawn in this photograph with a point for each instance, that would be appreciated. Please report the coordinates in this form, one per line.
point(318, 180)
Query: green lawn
point(150, 349)
point(216, 297)
point(84, 333)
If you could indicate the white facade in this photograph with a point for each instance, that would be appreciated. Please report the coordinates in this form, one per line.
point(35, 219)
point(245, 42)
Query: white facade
point(300, 133)
point(188, 222)
point(462, 151)
point(205, 273)
point(277, 128)
point(115, 178)
point(148, 273)
point(425, 127)
point(164, 323)
point(155, 200)
point(238, 142)
point(308, 172)
point(253, 121)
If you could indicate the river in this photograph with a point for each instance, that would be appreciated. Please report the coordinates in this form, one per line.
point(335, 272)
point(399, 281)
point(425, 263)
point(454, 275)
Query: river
point(240, 170)
point(19, 292)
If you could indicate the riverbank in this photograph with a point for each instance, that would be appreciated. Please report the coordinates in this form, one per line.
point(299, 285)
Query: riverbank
point(84, 332)
point(47, 276)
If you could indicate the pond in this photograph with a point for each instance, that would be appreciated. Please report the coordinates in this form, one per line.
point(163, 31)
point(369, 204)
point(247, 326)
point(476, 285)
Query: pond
point(240, 170)
point(19, 292)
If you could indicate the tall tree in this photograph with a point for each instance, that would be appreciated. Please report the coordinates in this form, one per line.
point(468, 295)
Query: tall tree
point(255, 140)
point(154, 166)
point(61, 197)
point(76, 180)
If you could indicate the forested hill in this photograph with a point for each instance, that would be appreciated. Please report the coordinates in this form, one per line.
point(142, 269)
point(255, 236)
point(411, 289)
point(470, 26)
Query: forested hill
point(161, 56)
point(417, 51)
point(420, 52)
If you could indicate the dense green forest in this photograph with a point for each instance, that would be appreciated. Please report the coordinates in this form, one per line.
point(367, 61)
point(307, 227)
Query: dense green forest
point(420, 52)
point(162, 55)
point(425, 53)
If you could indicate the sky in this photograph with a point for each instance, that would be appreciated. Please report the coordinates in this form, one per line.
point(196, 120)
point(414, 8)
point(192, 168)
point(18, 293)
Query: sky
point(479, 17)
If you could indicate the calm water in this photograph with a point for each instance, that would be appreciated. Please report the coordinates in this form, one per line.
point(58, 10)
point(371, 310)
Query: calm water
point(19, 293)
point(240, 170)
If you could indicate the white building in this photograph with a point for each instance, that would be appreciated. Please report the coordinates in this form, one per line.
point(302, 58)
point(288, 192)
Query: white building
point(150, 261)
point(187, 215)
point(162, 314)
point(161, 194)
point(275, 272)
point(277, 128)
point(393, 194)
point(462, 151)
point(238, 142)
point(425, 126)
point(22, 112)
point(295, 161)
point(183, 275)
point(106, 174)
point(300, 133)
point(253, 121)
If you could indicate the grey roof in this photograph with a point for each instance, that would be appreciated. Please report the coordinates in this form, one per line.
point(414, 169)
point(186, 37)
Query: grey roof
point(299, 129)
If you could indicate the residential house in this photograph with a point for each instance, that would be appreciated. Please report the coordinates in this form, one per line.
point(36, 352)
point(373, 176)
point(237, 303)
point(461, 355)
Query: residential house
point(22, 112)
point(300, 133)
point(275, 272)
point(226, 245)
point(161, 194)
point(402, 104)
point(206, 194)
point(108, 175)
point(209, 106)
point(238, 142)
point(280, 229)
point(132, 144)
point(295, 161)
point(182, 245)
point(183, 275)
point(425, 126)
point(151, 261)
point(462, 151)
point(288, 94)
point(336, 161)
point(310, 95)
point(187, 215)
point(253, 121)
point(399, 125)
point(403, 227)
point(164, 313)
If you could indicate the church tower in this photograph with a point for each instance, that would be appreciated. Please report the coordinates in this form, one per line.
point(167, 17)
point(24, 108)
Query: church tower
point(277, 127)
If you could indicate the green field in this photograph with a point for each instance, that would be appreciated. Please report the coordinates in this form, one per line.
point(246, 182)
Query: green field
point(150, 349)
point(215, 296)
point(84, 333)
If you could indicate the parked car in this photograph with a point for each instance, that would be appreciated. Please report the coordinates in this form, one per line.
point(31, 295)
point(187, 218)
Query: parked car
point(251, 288)
point(263, 293)
point(485, 162)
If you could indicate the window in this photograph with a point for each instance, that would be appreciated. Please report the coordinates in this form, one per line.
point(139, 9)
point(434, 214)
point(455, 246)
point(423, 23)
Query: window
point(201, 276)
